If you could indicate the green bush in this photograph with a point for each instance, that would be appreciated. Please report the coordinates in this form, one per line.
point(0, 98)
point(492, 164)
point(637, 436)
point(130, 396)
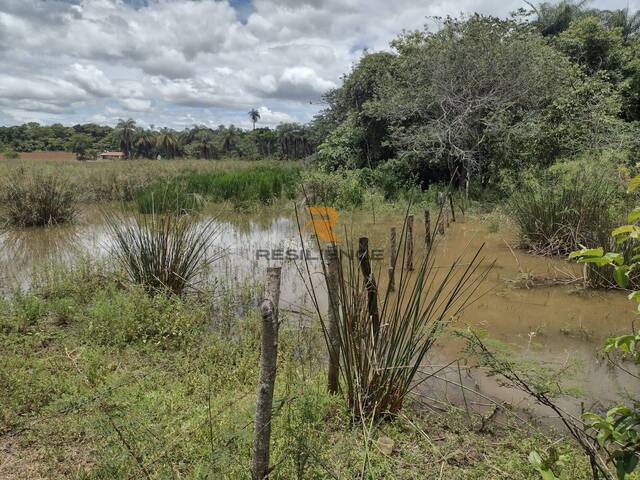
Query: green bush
point(342, 189)
point(11, 154)
point(36, 199)
point(568, 205)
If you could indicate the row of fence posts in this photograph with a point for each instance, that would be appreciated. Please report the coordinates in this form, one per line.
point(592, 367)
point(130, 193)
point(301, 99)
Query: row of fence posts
point(270, 321)
point(445, 204)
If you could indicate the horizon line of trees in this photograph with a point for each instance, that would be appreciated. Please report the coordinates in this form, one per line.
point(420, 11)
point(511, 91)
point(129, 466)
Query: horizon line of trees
point(290, 140)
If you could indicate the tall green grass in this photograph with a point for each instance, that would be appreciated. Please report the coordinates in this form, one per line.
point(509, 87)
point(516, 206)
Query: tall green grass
point(263, 184)
point(168, 198)
point(164, 253)
point(36, 199)
point(555, 215)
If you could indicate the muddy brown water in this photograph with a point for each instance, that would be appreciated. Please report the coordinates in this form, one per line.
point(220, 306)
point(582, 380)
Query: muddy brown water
point(535, 306)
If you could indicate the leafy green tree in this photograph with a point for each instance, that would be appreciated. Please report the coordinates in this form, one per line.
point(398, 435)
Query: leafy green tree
point(80, 145)
point(349, 104)
point(590, 43)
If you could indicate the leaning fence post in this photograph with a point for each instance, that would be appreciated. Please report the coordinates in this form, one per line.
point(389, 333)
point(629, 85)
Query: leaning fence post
point(333, 332)
point(441, 213)
point(267, 380)
point(453, 212)
point(409, 243)
point(392, 259)
point(370, 284)
point(427, 228)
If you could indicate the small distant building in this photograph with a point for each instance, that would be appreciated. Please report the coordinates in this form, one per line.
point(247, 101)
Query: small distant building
point(110, 155)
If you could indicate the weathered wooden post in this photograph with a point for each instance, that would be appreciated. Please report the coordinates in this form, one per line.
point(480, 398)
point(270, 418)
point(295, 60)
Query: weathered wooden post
point(370, 284)
point(453, 212)
point(392, 259)
point(427, 228)
point(409, 247)
point(333, 330)
point(267, 380)
point(441, 213)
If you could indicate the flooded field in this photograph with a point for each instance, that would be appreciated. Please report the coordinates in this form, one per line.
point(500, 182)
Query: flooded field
point(536, 306)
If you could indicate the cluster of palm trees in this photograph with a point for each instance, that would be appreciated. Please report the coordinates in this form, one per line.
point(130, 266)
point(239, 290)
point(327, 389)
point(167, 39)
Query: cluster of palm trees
point(135, 141)
point(291, 141)
point(555, 17)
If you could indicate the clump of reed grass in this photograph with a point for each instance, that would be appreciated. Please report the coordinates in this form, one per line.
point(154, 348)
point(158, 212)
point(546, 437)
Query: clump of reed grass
point(36, 199)
point(263, 184)
point(555, 215)
point(385, 335)
point(168, 198)
point(166, 253)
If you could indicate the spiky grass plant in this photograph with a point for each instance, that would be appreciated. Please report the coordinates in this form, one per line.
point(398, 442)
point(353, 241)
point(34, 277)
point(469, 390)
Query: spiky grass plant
point(556, 216)
point(386, 336)
point(168, 198)
point(36, 199)
point(166, 253)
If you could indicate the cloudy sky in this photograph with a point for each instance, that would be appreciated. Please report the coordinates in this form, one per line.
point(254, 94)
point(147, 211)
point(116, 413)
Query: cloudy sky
point(180, 62)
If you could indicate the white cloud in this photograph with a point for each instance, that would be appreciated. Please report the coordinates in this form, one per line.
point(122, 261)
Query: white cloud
point(90, 78)
point(136, 104)
point(177, 62)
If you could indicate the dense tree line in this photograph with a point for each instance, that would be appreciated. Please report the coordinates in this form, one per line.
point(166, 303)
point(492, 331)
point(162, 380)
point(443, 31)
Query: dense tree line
point(291, 141)
point(482, 94)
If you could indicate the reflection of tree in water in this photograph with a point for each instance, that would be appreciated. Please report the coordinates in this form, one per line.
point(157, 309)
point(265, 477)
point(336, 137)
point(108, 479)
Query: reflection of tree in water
point(21, 249)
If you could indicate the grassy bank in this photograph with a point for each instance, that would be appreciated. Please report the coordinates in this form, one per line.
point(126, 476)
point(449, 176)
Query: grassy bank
point(102, 381)
point(120, 180)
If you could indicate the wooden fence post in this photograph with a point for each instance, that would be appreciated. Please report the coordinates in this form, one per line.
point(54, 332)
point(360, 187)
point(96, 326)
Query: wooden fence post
point(370, 284)
point(453, 212)
point(333, 333)
point(268, 356)
point(392, 259)
point(409, 246)
point(427, 228)
point(441, 213)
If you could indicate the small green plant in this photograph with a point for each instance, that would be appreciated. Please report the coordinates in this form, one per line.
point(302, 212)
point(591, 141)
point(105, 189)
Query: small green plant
point(36, 199)
point(548, 464)
point(163, 253)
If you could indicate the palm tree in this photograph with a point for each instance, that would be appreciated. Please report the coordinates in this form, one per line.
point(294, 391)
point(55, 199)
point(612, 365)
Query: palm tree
point(205, 145)
point(628, 21)
point(254, 115)
point(555, 18)
point(167, 142)
point(144, 143)
point(125, 131)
